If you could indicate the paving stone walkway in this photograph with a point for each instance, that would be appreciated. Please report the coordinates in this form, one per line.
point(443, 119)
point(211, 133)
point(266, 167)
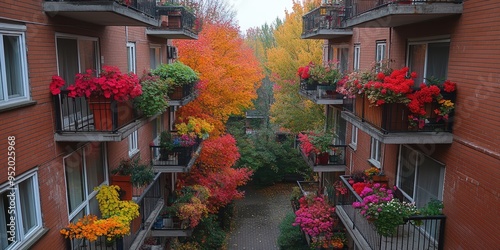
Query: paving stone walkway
point(257, 217)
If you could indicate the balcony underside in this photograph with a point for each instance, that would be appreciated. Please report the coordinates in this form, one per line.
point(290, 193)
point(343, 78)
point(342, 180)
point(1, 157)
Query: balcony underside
point(393, 15)
point(410, 137)
point(171, 232)
point(318, 97)
point(327, 34)
point(171, 33)
point(101, 136)
point(185, 100)
point(105, 13)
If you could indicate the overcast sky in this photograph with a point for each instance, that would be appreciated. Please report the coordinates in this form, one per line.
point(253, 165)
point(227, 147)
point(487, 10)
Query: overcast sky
point(254, 13)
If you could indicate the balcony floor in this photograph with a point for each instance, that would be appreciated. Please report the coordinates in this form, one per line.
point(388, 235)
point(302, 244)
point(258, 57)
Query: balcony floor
point(410, 137)
point(394, 15)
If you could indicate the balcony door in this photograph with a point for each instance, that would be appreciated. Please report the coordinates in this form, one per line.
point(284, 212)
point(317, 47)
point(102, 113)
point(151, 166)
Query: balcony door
point(429, 59)
point(75, 55)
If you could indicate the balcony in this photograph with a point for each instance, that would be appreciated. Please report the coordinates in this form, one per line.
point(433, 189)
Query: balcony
point(175, 23)
point(172, 227)
point(393, 13)
point(333, 161)
point(105, 12)
point(182, 95)
point(320, 94)
point(176, 160)
point(429, 235)
point(389, 123)
point(150, 204)
point(325, 22)
point(81, 119)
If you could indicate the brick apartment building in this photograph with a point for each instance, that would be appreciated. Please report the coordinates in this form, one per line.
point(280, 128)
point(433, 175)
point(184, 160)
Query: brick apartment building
point(55, 164)
point(447, 39)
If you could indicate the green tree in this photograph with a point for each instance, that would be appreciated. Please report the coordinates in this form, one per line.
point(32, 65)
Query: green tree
point(291, 238)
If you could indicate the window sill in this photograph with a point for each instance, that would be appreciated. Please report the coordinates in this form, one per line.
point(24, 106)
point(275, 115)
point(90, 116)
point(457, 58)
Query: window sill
point(131, 154)
point(33, 239)
point(353, 146)
point(374, 163)
point(16, 105)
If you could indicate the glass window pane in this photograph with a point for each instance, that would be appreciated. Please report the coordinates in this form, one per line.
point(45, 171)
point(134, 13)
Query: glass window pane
point(74, 180)
point(407, 170)
point(437, 61)
point(4, 215)
point(94, 166)
point(428, 181)
point(88, 54)
point(94, 207)
point(417, 61)
point(28, 206)
point(13, 66)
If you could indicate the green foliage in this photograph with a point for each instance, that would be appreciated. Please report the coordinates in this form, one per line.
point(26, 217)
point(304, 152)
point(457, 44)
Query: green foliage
point(154, 96)
point(208, 234)
point(179, 73)
point(322, 141)
point(433, 207)
point(166, 140)
point(291, 238)
point(141, 174)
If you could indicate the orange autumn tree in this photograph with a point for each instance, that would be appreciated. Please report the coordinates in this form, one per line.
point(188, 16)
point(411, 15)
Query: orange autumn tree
point(214, 170)
point(230, 74)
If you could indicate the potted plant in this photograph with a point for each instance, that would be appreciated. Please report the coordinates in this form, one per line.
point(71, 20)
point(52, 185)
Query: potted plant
point(131, 173)
point(99, 90)
point(316, 218)
point(194, 127)
point(327, 74)
point(322, 142)
point(180, 76)
point(154, 95)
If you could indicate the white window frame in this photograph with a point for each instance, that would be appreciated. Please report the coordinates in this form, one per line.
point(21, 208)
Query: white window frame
point(411, 197)
point(85, 206)
point(375, 152)
point(21, 236)
point(380, 52)
point(159, 59)
point(356, 57)
point(133, 147)
point(354, 137)
point(426, 42)
point(131, 57)
point(20, 32)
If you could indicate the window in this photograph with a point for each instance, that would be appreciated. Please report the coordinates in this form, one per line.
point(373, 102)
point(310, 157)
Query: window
point(132, 144)
point(429, 60)
point(340, 55)
point(357, 55)
point(354, 137)
point(131, 57)
point(155, 57)
point(13, 64)
point(375, 152)
point(336, 124)
point(84, 169)
point(75, 54)
point(420, 177)
point(25, 197)
point(380, 53)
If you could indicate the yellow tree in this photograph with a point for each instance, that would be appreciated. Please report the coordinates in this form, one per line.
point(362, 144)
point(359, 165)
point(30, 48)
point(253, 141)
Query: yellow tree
point(230, 74)
point(290, 110)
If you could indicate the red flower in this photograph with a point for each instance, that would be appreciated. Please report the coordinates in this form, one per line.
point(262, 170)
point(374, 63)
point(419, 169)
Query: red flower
point(449, 86)
point(56, 84)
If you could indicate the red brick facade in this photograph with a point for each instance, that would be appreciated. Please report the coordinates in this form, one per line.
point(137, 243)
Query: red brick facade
point(472, 160)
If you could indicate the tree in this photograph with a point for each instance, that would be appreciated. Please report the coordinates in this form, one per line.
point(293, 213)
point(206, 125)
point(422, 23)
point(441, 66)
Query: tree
point(212, 11)
point(229, 72)
point(290, 110)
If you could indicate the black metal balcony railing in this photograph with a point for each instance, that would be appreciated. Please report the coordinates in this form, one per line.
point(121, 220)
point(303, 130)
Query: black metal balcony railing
point(323, 18)
point(176, 156)
point(178, 18)
point(354, 8)
point(429, 235)
point(320, 92)
point(91, 115)
point(147, 203)
point(182, 92)
point(394, 117)
point(336, 156)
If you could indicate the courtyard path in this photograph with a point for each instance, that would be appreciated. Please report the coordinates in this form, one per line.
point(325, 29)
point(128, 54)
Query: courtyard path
point(257, 217)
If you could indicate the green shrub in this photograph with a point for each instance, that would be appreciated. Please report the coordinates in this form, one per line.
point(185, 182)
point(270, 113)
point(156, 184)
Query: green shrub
point(178, 72)
point(154, 96)
point(208, 234)
point(291, 238)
